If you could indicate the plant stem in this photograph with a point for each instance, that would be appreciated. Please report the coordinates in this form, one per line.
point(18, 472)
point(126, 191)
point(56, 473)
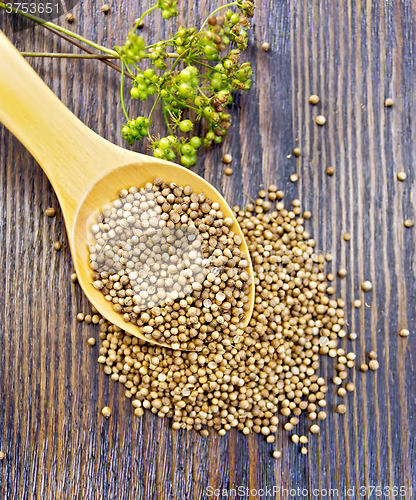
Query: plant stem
point(217, 10)
point(85, 49)
point(67, 56)
point(166, 118)
point(150, 116)
point(58, 28)
point(143, 16)
point(122, 91)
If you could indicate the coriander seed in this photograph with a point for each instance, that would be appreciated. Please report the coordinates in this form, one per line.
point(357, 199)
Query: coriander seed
point(304, 450)
point(91, 341)
point(315, 429)
point(80, 317)
point(350, 387)
point(277, 454)
point(228, 171)
point(401, 176)
point(265, 46)
point(347, 236)
point(373, 364)
point(388, 102)
point(364, 367)
point(106, 411)
point(314, 99)
point(70, 17)
point(297, 152)
point(356, 303)
point(307, 215)
point(342, 273)
point(341, 409)
point(57, 246)
point(372, 355)
point(1, 455)
point(227, 158)
point(404, 332)
point(320, 120)
point(294, 177)
point(366, 286)
point(330, 171)
point(409, 223)
point(50, 212)
point(74, 277)
point(105, 8)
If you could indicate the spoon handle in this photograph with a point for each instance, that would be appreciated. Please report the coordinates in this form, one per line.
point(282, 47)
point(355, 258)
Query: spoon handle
point(70, 153)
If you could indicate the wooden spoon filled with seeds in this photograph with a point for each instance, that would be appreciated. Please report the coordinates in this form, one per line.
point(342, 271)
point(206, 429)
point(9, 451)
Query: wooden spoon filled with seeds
point(156, 248)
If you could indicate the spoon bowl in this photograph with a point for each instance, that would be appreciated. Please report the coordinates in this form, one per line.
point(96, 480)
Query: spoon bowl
point(86, 171)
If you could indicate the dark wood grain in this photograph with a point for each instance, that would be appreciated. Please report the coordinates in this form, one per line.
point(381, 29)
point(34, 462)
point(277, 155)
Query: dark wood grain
point(353, 54)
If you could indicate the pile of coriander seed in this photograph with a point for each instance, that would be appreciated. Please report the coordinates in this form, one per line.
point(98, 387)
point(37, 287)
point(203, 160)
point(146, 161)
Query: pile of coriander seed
point(271, 368)
point(168, 260)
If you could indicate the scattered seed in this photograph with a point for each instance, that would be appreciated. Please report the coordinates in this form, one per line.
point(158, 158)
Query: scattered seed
point(280, 195)
point(350, 387)
point(228, 171)
point(366, 286)
point(295, 438)
point(50, 212)
point(265, 46)
point(314, 99)
point(294, 177)
point(372, 355)
point(70, 17)
point(277, 454)
point(401, 176)
point(320, 120)
point(91, 341)
point(409, 223)
point(352, 336)
point(106, 411)
point(330, 171)
point(1, 455)
point(404, 333)
point(347, 236)
point(227, 158)
point(373, 364)
point(388, 102)
point(341, 409)
point(297, 152)
point(88, 319)
point(342, 392)
point(74, 277)
point(57, 246)
point(364, 367)
point(342, 273)
point(304, 450)
point(307, 215)
point(80, 317)
point(240, 370)
point(356, 303)
point(106, 8)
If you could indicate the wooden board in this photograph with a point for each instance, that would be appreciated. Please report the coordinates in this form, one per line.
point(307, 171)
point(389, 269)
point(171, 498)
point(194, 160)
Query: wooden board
point(353, 55)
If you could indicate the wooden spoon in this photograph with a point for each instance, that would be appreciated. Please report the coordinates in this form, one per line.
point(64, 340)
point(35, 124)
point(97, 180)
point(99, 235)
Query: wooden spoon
point(86, 171)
